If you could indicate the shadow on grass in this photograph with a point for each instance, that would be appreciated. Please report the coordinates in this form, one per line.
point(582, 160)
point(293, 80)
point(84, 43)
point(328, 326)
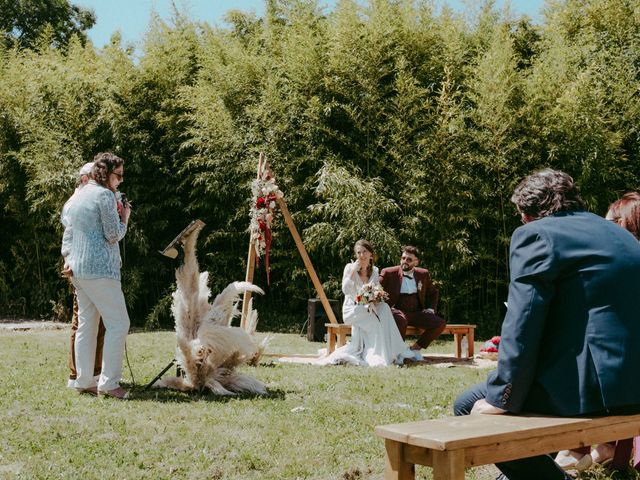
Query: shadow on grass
point(435, 359)
point(164, 395)
point(269, 364)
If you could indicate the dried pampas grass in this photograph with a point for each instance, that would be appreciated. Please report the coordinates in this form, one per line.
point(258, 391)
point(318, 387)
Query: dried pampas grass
point(209, 351)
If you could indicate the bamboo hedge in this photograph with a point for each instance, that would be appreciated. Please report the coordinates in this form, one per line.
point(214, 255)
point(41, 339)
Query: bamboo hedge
point(389, 120)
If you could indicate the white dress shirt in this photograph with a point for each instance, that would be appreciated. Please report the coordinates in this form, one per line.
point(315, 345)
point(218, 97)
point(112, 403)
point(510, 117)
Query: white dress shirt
point(408, 284)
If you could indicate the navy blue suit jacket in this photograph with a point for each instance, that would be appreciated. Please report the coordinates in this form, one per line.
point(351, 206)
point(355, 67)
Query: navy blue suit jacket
point(571, 336)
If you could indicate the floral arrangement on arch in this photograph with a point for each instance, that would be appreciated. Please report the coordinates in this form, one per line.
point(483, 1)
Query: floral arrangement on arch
point(265, 192)
point(371, 293)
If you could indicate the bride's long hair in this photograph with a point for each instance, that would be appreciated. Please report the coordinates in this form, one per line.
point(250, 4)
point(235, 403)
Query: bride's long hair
point(366, 245)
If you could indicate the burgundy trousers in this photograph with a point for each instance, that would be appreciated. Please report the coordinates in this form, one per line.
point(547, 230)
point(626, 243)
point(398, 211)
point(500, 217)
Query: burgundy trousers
point(407, 312)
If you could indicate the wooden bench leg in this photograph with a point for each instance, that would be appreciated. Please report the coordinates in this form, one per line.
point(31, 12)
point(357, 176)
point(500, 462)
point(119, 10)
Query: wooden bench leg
point(395, 468)
point(331, 336)
point(470, 340)
point(457, 344)
point(448, 465)
point(342, 338)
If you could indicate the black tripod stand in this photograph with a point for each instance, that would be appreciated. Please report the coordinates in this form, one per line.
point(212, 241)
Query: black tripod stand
point(159, 376)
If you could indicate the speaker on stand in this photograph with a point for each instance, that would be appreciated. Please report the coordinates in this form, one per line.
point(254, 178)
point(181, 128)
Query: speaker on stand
point(316, 318)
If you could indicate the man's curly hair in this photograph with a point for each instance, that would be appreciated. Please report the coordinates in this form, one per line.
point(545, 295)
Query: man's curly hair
point(546, 192)
point(103, 164)
point(410, 249)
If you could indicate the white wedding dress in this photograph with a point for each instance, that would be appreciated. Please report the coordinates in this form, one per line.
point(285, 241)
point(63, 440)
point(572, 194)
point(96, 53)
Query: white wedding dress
point(375, 339)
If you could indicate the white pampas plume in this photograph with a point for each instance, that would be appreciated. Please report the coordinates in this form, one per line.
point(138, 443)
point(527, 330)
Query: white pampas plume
point(223, 309)
point(208, 349)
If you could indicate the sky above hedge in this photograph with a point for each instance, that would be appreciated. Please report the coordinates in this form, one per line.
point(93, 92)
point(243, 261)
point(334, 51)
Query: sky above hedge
point(131, 18)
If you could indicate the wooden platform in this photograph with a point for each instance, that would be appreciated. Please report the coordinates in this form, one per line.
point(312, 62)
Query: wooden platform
point(337, 336)
point(449, 445)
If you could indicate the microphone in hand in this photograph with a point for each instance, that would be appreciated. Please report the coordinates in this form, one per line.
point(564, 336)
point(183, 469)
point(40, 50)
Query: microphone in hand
point(124, 200)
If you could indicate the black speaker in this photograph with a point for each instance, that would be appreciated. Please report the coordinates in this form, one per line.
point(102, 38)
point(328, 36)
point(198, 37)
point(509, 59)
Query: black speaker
point(316, 318)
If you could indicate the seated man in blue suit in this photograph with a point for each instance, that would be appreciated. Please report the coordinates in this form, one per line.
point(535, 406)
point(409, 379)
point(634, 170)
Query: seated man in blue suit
point(570, 337)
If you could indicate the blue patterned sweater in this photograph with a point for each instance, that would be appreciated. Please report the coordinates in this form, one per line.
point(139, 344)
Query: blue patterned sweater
point(92, 231)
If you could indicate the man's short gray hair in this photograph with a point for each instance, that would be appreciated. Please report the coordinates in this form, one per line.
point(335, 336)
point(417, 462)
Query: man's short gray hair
point(546, 192)
point(86, 169)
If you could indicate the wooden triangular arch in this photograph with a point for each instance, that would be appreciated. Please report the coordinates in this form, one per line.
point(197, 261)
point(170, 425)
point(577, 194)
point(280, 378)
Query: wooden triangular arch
point(251, 258)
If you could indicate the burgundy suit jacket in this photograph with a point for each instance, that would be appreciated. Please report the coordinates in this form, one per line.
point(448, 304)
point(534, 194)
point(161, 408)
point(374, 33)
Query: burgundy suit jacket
point(391, 280)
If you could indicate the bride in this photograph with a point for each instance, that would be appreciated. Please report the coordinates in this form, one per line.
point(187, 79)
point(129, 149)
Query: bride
point(375, 339)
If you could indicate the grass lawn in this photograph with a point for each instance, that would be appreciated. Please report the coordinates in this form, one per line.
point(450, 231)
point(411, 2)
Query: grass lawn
point(317, 422)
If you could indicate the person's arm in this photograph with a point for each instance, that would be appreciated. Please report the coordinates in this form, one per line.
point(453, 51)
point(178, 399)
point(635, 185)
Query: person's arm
point(113, 228)
point(431, 295)
point(67, 238)
point(531, 289)
point(382, 279)
point(387, 282)
point(349, 279)
point(375, 276)
point(353, 314)
point(485, 408)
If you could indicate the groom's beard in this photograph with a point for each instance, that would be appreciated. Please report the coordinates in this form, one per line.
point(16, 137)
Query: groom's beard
point(406, 268)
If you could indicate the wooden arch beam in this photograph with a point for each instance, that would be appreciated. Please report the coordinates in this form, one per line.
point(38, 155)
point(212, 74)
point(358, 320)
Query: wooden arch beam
point(251, 259)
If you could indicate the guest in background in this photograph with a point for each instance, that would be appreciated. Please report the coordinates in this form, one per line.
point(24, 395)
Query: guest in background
point(93, 263)
point(626, 213)
point(84, 175)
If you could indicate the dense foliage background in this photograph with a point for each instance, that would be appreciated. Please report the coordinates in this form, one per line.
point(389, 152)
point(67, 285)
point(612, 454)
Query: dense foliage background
point(386, 119)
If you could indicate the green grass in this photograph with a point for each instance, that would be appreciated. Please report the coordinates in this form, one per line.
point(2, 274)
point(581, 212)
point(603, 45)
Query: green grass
point(317, 422)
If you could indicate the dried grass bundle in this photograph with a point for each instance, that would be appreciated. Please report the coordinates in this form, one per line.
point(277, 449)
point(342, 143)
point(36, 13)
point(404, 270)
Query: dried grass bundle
point(209, 350)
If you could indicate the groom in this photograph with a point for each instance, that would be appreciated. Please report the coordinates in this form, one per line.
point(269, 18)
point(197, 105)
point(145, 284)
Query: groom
point(413, 297)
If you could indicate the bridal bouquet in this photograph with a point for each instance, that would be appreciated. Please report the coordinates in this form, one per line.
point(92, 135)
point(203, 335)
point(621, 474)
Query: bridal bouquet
point(371, 293)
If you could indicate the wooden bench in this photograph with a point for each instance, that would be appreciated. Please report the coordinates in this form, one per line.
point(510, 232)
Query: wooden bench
point(449, 445)
point(337, 336)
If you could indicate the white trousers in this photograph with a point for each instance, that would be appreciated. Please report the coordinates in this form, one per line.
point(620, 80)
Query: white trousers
point(100, 297)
